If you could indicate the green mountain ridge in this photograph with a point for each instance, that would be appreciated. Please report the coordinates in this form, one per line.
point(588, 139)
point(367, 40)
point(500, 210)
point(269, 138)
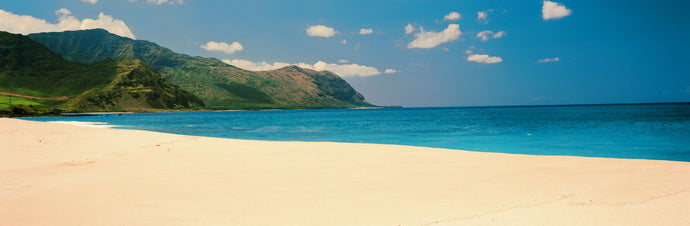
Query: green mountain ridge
point(219, 85)
point(29, 68)
point(135, 87)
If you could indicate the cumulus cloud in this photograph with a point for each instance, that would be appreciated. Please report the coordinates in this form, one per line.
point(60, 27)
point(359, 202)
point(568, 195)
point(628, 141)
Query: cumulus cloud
point(430, 39)
point(482, 16)
point(344, 41)
point(258, 66)
point(499, 34)
point(107, 22)
point(24, 24)
point(223, 47)
point(483, 58)
point(553, 10)
point(93, 2)
point(341, 69)
point(484, 35)
point(452, 16)
point(409, 29)
point(546, 60)
point(63, 14)
point(366, 31)
point(390, 71)
point(320, 31)
point(160, 2)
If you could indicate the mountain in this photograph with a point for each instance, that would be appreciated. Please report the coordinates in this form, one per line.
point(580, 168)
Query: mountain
point(314, 85)
point(29, 68)
point(218, 84)
point(135, 87)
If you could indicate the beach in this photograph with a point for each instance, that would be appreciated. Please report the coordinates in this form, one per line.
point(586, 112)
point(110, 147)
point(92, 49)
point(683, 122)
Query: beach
point(58, 174)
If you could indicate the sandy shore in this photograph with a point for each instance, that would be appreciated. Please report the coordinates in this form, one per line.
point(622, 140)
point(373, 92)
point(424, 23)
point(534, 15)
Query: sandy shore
point(56, 174)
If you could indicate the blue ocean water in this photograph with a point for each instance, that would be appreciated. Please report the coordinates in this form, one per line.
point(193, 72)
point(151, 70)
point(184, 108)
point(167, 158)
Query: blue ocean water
point(654, 131)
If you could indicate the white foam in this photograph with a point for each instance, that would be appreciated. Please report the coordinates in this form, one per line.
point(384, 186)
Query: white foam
point(85, 124)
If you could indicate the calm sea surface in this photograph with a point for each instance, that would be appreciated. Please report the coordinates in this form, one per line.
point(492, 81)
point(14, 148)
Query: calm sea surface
point(660, 131)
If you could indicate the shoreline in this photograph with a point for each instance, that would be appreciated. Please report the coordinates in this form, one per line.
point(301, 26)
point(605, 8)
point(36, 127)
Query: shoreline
point(61, 174)
point(77, 114)
point(124, 127)
point(72, 114)
point(105, 122)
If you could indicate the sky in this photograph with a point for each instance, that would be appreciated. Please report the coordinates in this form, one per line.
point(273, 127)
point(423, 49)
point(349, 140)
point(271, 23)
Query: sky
point(416, 53)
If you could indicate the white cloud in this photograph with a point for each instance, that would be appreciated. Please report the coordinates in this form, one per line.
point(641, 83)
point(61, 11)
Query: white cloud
point(63, 14)
point(160, 2)
point(320, 31)
point(470, 50)
point(484, 35)
point(93, 2)
point(546, 60)
point(430, 39)
point(343, 61)
point(409, 29)
point(452, 16)
point(223, 47)
point(482, 16)
point(445, 49)
point(344, 41)
point(366, 31)
point(107, 22)
point(24, 24)
point(258, 66)
point(482, 58)
point(343, 69)
point(554, 10)
point(390, 71)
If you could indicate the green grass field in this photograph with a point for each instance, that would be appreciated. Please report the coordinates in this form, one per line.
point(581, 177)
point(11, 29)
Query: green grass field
point(5, 101)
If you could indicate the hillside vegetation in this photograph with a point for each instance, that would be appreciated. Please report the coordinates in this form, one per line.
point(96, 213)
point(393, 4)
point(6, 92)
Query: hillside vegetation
point(28, 68)
point(135, 87)
point(219, 85)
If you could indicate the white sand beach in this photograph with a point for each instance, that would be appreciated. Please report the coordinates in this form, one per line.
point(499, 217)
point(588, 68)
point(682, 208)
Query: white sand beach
point(58, 174)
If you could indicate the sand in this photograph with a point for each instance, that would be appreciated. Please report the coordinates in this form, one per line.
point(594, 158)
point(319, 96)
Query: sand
point(57, 174)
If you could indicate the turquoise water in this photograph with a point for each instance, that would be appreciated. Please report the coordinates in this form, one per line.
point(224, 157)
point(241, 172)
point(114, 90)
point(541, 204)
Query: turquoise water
point(659, 131)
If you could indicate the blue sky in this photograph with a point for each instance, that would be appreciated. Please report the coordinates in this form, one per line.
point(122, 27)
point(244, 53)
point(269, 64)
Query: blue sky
point(606, 51)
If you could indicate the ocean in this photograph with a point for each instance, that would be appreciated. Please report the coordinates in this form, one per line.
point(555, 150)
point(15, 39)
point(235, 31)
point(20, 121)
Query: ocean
point(640, 131)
